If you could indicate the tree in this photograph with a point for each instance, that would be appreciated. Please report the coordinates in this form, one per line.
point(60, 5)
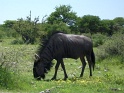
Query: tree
point(8, 28)
point(27, 29)
point(89, 23)
point(107, 26)
point(63, 14)
point(9, 23)
point(119, 24)
point(119, 21)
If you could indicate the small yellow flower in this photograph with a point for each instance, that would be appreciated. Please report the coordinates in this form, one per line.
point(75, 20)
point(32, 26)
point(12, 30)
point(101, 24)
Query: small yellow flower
point(82, 81)
point(68, 81)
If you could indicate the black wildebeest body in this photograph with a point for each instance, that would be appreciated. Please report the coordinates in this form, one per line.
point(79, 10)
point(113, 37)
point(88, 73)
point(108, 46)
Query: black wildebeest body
point(61, 46)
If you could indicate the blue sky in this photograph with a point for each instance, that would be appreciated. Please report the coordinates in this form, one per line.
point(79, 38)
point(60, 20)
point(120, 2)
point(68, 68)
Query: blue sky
point(105, 9)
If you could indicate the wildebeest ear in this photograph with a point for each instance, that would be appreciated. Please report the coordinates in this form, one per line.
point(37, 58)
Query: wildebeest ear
point(37, 57)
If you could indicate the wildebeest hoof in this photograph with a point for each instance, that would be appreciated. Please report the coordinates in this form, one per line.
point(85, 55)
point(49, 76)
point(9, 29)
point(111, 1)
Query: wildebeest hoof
point(53, 78)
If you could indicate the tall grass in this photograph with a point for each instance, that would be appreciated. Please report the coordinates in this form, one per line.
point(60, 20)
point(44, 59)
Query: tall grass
point(13, 60)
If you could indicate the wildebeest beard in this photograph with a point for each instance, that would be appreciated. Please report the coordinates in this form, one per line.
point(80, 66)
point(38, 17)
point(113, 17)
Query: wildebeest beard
point(41, 71)
point(38, 77)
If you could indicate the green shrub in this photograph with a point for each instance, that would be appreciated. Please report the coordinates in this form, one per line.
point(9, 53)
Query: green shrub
point(114, 46)
point(98, 39)
point(5, 77)
point(87, 34)
point(2, 34)
point(7, 74)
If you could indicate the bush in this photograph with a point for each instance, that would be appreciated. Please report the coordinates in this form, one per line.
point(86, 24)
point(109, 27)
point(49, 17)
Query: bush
point(2, 34)
point(7, 73)
point(5, 77)
point(114, 46)
point(17, 41)
point(57, 27)
point(98, 39)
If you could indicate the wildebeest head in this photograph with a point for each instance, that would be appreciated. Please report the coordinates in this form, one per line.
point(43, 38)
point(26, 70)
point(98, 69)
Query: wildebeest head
point(38, 68)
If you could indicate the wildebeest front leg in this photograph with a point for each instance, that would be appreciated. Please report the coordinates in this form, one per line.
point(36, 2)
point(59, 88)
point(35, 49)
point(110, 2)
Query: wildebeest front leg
point(83, 65)
point(56, 69)
point(63, 67)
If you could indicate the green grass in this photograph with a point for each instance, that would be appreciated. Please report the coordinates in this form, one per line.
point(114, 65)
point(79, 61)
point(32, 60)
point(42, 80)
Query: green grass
point(108, 76)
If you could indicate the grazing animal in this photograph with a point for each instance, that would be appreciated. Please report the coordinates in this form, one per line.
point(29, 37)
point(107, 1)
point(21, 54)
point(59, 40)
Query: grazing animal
point(60, 46)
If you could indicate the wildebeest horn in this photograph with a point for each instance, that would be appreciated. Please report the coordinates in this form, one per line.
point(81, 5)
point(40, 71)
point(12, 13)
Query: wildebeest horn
point(37, 56)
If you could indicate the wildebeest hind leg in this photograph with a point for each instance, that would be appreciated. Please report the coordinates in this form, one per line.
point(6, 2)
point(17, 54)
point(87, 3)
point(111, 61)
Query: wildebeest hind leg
point(83, 65)
point(90, 63)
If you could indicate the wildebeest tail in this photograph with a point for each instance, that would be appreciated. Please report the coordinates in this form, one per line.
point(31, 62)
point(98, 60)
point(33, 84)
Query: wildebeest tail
point(93, 59)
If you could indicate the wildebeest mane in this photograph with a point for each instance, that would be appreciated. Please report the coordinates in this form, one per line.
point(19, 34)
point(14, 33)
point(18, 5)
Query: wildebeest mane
point(47, 66)
point(45, 40)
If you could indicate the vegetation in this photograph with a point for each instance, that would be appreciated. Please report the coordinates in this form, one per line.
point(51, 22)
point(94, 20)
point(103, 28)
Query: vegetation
point(16, 74)
point(114, 46)
point(19, 40)
point(64, 19)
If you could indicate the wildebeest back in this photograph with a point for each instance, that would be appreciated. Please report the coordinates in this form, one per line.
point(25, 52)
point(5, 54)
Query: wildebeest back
point(70, 46)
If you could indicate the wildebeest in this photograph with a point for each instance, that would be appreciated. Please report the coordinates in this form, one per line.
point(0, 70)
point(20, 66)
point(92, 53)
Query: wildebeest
point(60, 46)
